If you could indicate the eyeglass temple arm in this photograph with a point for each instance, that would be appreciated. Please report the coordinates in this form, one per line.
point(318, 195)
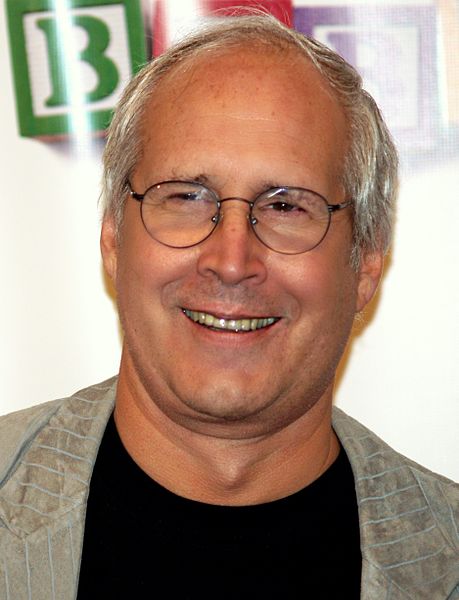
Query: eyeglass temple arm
point(334, 207)
point(133, 194)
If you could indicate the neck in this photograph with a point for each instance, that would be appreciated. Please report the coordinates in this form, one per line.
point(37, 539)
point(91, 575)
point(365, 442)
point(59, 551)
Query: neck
point(224, 470)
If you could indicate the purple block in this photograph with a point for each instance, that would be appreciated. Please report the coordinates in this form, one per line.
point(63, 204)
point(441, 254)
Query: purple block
point(395, 50)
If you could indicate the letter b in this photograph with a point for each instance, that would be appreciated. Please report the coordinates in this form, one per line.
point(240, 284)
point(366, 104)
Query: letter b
point(62, 62)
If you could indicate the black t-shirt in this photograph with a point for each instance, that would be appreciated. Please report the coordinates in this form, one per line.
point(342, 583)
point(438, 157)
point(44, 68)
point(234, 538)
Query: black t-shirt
point(142, 541)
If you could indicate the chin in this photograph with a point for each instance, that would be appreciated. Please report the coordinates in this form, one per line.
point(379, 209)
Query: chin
point(240, 413)
point(227, 404)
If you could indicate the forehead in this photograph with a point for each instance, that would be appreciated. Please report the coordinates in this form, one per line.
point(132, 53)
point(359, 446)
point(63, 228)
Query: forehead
point(226, 74)
point(246, 96)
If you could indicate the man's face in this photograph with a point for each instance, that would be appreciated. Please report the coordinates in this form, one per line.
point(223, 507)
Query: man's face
point(241, 123)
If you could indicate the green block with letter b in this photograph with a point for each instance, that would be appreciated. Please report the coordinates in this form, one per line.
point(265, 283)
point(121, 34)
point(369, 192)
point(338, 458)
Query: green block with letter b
point(71, 60)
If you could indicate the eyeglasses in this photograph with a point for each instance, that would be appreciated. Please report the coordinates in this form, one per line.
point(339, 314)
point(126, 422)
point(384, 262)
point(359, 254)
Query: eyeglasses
point(182, 214)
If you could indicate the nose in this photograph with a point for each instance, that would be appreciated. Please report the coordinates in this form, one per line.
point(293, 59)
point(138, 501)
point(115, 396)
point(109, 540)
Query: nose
point(233, 253)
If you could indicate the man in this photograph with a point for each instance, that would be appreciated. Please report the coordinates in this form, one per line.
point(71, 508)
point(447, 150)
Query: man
point(248, 192)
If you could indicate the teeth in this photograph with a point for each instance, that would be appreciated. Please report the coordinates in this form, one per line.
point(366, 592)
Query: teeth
point(230, 324)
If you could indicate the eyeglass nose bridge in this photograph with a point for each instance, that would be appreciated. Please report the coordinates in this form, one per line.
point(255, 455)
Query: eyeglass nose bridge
point(218, 217)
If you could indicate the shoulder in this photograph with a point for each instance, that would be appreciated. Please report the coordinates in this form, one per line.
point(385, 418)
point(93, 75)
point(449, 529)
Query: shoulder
point(366, 450)
point(375, 464)
point(20, 428)
point(409, 516)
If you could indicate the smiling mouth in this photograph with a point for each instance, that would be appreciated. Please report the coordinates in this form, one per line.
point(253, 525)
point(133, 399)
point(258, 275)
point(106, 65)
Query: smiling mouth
point(236, 325)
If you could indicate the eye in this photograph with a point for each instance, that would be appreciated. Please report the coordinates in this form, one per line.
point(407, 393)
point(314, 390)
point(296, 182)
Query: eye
point(281, 203)
point(283, 206)
point(185, 196)
point(290, 206)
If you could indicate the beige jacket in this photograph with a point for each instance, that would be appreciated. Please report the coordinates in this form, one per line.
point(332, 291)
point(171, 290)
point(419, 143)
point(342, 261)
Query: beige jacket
point(408, 516)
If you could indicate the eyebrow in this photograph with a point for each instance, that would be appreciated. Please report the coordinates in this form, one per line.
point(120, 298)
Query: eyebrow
point(201, 178)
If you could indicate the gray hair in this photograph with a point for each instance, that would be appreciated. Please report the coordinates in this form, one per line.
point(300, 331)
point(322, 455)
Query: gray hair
point(370, 167)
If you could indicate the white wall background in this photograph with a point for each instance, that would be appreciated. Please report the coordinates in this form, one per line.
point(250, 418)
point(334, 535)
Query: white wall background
point(59, 329)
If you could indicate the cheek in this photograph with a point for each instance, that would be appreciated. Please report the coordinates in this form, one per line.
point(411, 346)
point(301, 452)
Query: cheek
point(323, 277)
point(324, 309)
point(148, 275)
point(321, 285)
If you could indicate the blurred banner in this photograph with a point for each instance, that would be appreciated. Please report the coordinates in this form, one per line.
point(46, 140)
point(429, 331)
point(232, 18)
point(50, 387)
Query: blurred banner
point(64, 64)
point(72, 58)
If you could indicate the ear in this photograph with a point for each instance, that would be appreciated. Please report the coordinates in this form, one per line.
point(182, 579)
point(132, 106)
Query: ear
point(109, 247)
point(369, 275)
